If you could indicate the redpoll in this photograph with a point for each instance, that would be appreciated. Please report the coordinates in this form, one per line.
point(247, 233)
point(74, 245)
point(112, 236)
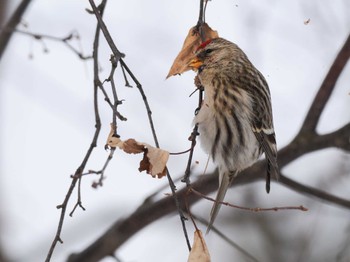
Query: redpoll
point(235, 119)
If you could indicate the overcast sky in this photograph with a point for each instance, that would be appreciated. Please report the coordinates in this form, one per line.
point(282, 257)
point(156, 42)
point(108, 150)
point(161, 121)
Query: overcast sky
point(46, 102)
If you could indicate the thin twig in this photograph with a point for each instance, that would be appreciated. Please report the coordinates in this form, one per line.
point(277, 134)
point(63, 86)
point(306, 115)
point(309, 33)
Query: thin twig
point(145, 101)
point(79, 172)
point(201, 12)
point(150, 198)
point(252, 209)
point(180, 153)
point(190, 213)
point(65, 40)
point(118, 58)
point(226, 239)
point(117, 102)
point(101, 172)
point(193, 140)
point(193, 135)
point(183, 218)
point(125, 78)
point(170, 181)
point(79, 202)
point(201, 18)
point(199, 86)
point(117, 54)
point(107, 99)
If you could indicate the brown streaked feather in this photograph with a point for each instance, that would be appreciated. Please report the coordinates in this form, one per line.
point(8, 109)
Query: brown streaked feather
point(268, 145)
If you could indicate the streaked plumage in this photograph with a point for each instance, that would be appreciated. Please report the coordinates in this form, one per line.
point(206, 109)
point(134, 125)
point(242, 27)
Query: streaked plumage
point(235, 119)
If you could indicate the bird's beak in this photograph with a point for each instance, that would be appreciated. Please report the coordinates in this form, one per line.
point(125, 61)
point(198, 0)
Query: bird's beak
point(195, 63)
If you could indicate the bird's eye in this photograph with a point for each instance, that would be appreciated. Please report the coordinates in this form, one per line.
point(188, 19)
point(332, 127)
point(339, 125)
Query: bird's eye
point(208, 51)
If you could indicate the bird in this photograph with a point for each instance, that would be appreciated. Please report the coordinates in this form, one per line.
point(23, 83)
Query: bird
point(235, 120)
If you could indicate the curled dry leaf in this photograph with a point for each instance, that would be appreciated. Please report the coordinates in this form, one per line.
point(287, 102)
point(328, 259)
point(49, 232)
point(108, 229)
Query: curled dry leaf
point(192, 42)
point(199, 251)
point(154, 159)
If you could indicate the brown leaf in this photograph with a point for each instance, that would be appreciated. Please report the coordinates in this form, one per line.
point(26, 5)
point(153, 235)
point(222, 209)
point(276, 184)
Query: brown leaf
point(199, 251)
point(154, 159)
point(191, 43)
point(144, 164)
point(131, 146)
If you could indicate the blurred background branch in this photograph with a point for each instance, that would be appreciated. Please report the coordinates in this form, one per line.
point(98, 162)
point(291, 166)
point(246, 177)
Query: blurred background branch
point(326, 89)
point(7, 30)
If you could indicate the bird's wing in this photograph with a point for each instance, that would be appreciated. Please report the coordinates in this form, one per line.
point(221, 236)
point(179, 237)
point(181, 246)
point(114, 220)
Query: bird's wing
point(267, 141)
point(262, 125)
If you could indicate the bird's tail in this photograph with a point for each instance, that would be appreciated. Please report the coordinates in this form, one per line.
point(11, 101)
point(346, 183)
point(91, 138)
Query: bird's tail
point(225, 180)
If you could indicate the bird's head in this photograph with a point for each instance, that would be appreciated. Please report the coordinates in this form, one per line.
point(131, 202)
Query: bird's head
point(212, 52)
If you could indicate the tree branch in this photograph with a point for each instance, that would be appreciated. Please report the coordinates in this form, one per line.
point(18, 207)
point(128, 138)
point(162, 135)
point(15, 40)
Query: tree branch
point(118, 58)
point(7, 31)
point(150, 211)
point(117, 54)
point(314, 192)
point(79, 171)
point(65, 40)
point(324, 93)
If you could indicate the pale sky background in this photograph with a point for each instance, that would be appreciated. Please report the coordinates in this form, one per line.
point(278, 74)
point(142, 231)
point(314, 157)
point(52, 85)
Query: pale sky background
point(46, 111)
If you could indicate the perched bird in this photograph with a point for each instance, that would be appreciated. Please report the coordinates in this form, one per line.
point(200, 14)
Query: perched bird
point(235, 119)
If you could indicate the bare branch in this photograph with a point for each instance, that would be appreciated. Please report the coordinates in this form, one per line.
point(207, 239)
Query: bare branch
point(6, 32)
point(101, 172)
point(324, 93)
point(251, 209)
point(117, 54)
point(150, 211)
point(65, 40)
point(144, 98)
point(306, 143)
point(79, 171)
point(314, 192)
point(118, 57)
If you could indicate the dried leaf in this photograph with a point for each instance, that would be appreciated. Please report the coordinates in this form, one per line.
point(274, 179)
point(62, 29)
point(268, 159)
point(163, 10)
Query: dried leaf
point(145, 164)
point(154, 159)
point(131, 146)
point(191, 43)
point(199, 251)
